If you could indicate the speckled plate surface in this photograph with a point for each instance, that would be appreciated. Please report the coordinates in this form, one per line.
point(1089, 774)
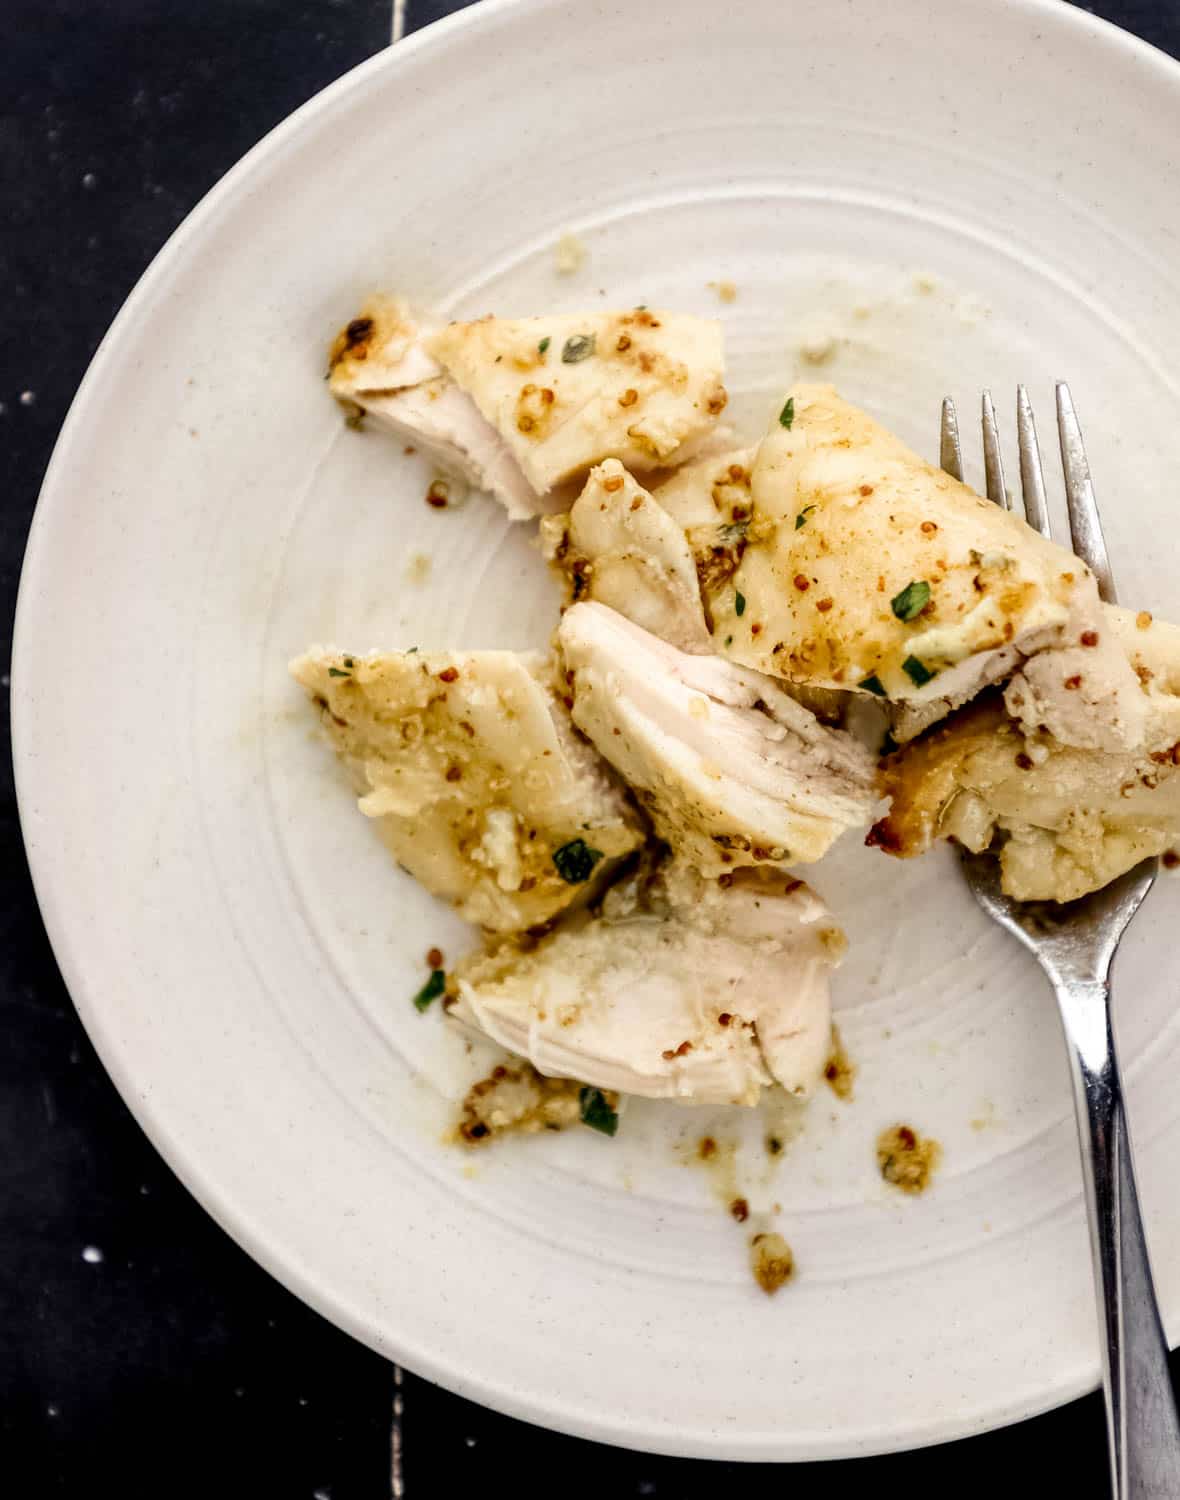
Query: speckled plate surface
point(928, 196)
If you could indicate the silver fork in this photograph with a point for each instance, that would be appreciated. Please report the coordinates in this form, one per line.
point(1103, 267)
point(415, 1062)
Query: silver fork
point(1074, 943)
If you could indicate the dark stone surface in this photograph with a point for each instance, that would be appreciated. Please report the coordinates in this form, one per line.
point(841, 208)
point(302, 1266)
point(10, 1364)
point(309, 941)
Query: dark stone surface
point(174, 1366)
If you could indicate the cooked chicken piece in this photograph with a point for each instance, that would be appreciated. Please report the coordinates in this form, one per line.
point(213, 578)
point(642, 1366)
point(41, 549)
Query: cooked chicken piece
point(619, 547)
point(475, 777)
point(706, 991)
point(731, 770)
point(1071, 819)
point(380, 364)
point(865, 567)
point(570, 390)
point(523, 407)
point(710, 499)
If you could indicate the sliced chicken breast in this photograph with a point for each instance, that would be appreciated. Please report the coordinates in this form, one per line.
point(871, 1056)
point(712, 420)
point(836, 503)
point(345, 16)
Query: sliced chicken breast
point(1068, 819)
point(864, 567)
point(618, 546)
point(568, 391)
point(680, 988)
point(523, 408)
point(475, 777)
point(731, 770)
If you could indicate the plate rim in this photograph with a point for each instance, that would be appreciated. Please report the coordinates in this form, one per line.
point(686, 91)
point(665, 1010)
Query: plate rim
point(234, 1217)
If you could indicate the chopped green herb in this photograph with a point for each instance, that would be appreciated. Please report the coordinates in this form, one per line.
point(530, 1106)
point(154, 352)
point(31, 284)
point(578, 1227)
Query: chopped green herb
point(801, 518)
point(739, 603)
point(581, 346)
point(787, 415)
point(543, 345)
point(733, 532)
point(912, 600)
point(729, 640)
point(917, 671)
point(888, 744)
point(336, 672)
point(411, 651)
point(575, 861)
point(431, 990)
point(596, 1112)
point(873, 684)
point(349, 663)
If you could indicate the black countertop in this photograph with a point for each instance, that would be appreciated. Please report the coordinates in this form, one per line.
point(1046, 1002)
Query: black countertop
point(141, 1352)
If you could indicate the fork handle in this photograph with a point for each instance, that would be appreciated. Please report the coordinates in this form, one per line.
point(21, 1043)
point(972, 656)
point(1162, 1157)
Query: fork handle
point(1140, 1407)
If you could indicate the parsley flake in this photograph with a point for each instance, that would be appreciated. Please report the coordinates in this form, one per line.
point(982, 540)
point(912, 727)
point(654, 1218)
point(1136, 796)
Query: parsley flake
point(431, 990)
point(739, 603)
point(912, 600)
point(575, 861)
point(917, 671)
point(596, 1112)
point(786, 417)
point(543, 345)
point(873, 684)
point(801, 518)
point(337, 672)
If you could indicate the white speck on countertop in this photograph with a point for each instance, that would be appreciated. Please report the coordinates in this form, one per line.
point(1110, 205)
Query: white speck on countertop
point(89, 181)
point(53, 1410)
point(321, 1494)
point(92, 1255)
point(469, 1442)
point(27, 398)
point(6, 680)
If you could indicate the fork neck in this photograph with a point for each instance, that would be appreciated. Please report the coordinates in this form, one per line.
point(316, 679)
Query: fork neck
point(1084, 1003)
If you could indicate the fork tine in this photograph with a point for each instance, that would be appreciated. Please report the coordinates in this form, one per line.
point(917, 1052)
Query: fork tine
point(1032, 478)
point(950, 454)
point(1085, 528)
point(993, 463)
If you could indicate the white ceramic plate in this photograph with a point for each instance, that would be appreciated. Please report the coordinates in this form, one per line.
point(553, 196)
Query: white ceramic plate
point(956, 194)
